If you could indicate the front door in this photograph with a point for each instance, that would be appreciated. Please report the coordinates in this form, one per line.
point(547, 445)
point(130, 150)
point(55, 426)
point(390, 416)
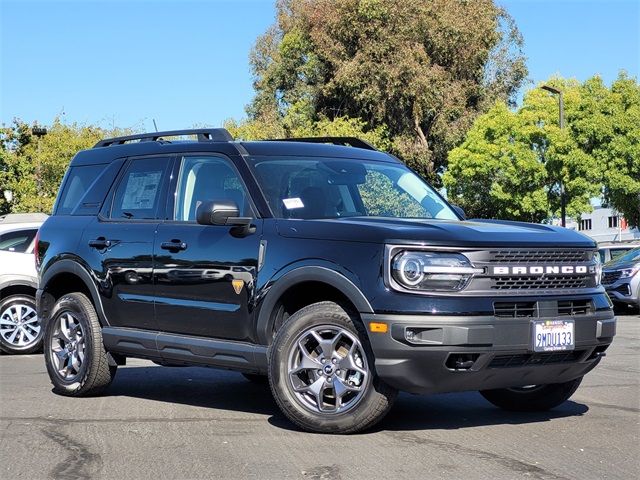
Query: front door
point(205, 275)
point(118, 244)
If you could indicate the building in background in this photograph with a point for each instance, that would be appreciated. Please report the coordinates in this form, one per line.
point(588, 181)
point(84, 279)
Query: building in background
point(604, 225)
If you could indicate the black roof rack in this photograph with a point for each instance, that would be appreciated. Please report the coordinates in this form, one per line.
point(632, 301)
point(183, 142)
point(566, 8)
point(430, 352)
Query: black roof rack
point(203, 134)
point(345, 141)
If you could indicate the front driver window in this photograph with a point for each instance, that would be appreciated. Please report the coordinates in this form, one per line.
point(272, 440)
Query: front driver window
point(207, 178)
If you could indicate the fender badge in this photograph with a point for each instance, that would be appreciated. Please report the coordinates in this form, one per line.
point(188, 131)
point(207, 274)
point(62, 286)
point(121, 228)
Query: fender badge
point(237, 285)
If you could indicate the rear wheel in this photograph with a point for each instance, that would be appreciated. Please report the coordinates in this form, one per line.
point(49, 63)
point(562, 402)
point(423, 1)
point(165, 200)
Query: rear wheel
point(20, 327)
point(74, 353)
point(532, 398)
point(321, 372)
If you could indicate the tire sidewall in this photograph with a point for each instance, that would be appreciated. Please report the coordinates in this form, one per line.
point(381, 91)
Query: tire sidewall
point(69, 304)
point(283, 391)
point(31, 302)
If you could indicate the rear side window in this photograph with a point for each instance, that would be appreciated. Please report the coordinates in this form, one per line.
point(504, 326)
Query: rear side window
point(79, 179)
point(141, 189)
point(17, 241)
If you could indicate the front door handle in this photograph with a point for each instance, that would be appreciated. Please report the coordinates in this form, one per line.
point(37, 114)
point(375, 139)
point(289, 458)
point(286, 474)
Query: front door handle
point(173, 245)
point(100, 243)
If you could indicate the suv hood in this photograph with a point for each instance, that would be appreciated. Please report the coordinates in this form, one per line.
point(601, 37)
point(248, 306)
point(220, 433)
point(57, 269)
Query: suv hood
point(622, 263)
point(471, 233)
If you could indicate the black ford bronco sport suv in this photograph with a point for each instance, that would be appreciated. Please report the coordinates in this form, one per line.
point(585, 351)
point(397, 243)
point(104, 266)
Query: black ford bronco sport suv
point(324, 264)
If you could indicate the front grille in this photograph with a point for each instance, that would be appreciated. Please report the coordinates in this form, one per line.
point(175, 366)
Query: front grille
point(530, 359)
point(610, 277)
point(574, 307)
point(540, 256)
point(538, 283)
point(515, 309)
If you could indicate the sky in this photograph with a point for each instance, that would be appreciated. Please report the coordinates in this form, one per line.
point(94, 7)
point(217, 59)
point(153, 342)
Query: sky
point(185, 63)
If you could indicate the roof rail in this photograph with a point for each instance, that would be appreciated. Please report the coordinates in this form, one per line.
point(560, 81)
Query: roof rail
point(345, 141)
point(204, 135)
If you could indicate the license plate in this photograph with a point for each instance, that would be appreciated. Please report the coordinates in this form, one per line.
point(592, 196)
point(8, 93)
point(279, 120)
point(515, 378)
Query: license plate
point(553, 335)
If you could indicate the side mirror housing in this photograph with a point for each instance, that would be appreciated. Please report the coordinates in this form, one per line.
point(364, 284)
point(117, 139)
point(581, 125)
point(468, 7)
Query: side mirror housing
point(460, 211)
point(221, 212)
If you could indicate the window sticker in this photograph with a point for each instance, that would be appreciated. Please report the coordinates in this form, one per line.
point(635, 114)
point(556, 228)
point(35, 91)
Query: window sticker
point(292, 203)
point(141, 190)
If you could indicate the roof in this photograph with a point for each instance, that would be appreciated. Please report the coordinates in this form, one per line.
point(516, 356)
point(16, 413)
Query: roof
point(107, 154)
point(306, 149)
point(13, 218)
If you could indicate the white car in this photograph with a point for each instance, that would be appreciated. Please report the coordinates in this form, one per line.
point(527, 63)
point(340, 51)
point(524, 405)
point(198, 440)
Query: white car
point(20, 329)
point(611, 250)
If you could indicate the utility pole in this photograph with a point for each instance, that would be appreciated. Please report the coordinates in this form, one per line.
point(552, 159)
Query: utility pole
point(563, 200)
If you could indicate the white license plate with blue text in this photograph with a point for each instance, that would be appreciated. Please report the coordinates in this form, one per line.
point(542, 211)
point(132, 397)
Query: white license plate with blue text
point(553, 335)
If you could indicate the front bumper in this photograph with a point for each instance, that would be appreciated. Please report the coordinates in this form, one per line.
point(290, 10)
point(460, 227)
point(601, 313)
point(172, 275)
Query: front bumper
point(625, 290)
point(459, 353)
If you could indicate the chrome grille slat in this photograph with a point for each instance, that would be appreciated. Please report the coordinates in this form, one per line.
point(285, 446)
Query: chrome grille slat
point(539, 256)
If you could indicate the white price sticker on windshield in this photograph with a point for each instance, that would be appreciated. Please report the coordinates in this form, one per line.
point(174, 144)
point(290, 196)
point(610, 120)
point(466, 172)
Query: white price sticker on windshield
point(292, 203)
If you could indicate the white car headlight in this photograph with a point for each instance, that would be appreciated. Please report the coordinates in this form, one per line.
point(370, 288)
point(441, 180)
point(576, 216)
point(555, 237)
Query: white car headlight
point(429, 271)
point(629, 272)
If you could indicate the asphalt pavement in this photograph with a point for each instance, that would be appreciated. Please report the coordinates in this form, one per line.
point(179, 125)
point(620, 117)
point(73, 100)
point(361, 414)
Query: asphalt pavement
point(191, 423)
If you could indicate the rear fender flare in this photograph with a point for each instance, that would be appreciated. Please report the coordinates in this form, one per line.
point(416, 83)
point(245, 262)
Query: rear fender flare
point(75, 268)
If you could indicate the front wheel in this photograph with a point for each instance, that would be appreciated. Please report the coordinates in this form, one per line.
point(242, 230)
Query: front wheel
point(532, 398)
point(73, 350)
point(321, 372)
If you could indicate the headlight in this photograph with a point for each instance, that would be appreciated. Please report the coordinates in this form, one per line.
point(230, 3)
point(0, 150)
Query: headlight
point(629, 272)
point(432, 271)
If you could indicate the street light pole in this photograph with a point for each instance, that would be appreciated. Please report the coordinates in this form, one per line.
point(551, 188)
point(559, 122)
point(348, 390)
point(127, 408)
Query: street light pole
point(563, 201)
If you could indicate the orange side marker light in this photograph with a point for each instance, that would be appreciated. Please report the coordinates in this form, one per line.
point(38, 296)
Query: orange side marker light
point(377, 327)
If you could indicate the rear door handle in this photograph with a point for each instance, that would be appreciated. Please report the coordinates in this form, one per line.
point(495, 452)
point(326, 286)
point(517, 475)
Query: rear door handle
point(100, 243)
point(174, 245)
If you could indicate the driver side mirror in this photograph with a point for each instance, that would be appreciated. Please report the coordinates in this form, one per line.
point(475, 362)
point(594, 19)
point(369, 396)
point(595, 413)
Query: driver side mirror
point(223, 212)
point(460, 211)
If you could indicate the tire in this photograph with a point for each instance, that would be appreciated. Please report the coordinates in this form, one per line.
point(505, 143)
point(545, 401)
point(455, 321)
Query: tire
point(536, 398)
point(314, 406)
point(74, 328)
point(257, 379)
point(20, 328)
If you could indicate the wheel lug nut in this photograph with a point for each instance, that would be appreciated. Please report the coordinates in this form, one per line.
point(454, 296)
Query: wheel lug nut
point(334, 360)
point(319, 372)
point(337, 372)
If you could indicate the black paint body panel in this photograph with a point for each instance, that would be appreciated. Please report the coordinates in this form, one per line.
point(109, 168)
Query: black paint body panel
point(211, 303)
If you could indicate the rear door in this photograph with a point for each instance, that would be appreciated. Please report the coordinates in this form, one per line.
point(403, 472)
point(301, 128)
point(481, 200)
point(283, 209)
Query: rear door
point(204, 275)
point(118, 243)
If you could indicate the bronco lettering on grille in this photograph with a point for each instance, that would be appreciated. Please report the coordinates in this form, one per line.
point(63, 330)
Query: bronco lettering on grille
point(544, 270)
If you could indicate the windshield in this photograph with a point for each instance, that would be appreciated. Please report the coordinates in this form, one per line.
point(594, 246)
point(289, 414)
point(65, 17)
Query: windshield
point(333, 188)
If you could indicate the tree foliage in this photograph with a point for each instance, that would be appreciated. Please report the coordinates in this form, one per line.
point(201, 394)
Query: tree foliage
point(32, 167)
point(514, 164)
point(421, 71)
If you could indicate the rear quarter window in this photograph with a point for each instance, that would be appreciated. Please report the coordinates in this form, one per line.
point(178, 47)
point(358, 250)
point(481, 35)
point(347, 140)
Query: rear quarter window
point(78, 182)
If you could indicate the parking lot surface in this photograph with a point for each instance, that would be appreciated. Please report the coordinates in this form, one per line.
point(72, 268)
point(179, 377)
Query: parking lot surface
point(183, 423)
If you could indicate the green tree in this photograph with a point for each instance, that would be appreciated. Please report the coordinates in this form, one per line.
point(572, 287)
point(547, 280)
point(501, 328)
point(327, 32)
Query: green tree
point(514, 164)
point(32, 167)
point(608, 129)
point(495, 173)
point(420, 70)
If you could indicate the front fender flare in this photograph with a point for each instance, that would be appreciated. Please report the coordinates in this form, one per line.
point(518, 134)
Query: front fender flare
point(306, 274)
